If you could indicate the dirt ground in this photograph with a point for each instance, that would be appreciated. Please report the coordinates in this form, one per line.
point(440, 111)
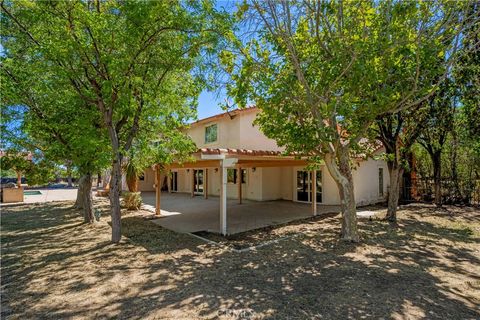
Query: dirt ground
point(55, 267)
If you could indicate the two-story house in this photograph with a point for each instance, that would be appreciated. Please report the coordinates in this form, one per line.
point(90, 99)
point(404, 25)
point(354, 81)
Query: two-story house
point(236, 160)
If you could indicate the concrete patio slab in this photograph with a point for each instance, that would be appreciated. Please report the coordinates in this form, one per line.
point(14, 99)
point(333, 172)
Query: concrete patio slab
point(48, 195)
point(182, 213)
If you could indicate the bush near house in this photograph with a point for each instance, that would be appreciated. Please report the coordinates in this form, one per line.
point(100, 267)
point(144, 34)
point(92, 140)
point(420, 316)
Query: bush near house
point(132, 200)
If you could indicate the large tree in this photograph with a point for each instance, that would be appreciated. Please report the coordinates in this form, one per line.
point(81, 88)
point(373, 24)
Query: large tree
point(132, 61)
point(467, 78)
point(52, 120)
point(322, 72)
point(439, 123)
point(430, 115)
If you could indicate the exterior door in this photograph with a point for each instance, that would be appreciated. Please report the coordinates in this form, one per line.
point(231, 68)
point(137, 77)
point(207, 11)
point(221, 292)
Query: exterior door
point(198, 181)
point(304, 186)
point(174, 182)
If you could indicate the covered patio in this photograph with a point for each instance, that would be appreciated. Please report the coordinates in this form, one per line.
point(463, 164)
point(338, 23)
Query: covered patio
point(192, 213)
point(183, 213)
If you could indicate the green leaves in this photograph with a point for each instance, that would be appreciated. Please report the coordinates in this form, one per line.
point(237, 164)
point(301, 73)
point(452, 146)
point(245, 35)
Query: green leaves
point(83, 67)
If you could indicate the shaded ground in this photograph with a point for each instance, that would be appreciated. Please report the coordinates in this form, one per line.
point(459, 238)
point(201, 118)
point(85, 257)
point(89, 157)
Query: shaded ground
point(55, 267)
point(270, 234)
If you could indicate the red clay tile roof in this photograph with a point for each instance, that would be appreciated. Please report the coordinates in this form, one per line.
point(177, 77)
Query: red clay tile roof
point(239, 152)
point(220, 115)
point(245, 152)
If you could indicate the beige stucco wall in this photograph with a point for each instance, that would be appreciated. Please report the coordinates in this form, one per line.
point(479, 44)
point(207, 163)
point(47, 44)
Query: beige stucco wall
point(148, 180)
point(365, 179)
point(287, 185)
point(228, 133)
point(235, 133)
point(272, 183)
point(251, 137)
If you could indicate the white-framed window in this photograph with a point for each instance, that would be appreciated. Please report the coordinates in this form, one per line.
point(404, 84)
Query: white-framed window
point(211, 133)
point(232, 176)
point(380, 182)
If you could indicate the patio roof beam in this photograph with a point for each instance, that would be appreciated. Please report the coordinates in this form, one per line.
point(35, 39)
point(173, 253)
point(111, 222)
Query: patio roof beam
point(196, 165)
point(270, 163)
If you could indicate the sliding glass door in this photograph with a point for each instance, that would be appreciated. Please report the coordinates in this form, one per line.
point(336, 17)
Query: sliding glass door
point(304, 186)
point(198, 181)
point(174, 181)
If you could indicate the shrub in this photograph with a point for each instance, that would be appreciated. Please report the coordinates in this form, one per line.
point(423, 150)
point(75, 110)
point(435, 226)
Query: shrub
point(132, 200)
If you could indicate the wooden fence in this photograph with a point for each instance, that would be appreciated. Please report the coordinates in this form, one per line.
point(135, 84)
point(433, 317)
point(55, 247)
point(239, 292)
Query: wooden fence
point(459, 193)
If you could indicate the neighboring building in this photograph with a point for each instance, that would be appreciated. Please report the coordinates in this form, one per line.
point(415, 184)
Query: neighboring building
point(229, 143)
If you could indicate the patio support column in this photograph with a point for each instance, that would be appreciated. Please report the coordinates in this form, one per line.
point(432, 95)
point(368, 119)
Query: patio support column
point(193, 182)
point(169, 181)
point(158, 189)
point(205, 184)
point(239, 181)
point(223, 198)
point(314, 192)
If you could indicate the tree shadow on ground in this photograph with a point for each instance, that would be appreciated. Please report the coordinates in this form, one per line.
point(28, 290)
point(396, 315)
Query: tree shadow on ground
point(420, 270)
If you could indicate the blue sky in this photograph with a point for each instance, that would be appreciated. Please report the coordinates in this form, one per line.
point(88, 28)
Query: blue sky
point(208, 104)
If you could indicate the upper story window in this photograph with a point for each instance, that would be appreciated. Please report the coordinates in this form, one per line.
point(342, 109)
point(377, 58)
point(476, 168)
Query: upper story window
point(211, 133)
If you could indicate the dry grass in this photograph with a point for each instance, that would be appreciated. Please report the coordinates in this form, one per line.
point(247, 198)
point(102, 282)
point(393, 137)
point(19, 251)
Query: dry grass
point(54, 267)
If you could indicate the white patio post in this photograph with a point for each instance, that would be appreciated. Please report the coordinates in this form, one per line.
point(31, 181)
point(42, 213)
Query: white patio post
point(314, 192)
point(205, 184)
point(192, 180)
point(223, 198)
point(239, 181)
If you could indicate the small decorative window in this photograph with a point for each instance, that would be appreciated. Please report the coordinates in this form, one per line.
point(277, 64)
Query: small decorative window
point(211, 133)
point(244, 175)
point(232, 176)
point(380, 182)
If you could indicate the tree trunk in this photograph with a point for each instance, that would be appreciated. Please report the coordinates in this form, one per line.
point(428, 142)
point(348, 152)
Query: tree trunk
point(69, 179)
point(69, 174)
point(81, 189)
point(342, 174)
point(84, 197)
point(19, 179)
point(437, 177)
point(115, 188)
point(87, 199)
point(132, 184)
point(453, 162)
point(396, 174)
